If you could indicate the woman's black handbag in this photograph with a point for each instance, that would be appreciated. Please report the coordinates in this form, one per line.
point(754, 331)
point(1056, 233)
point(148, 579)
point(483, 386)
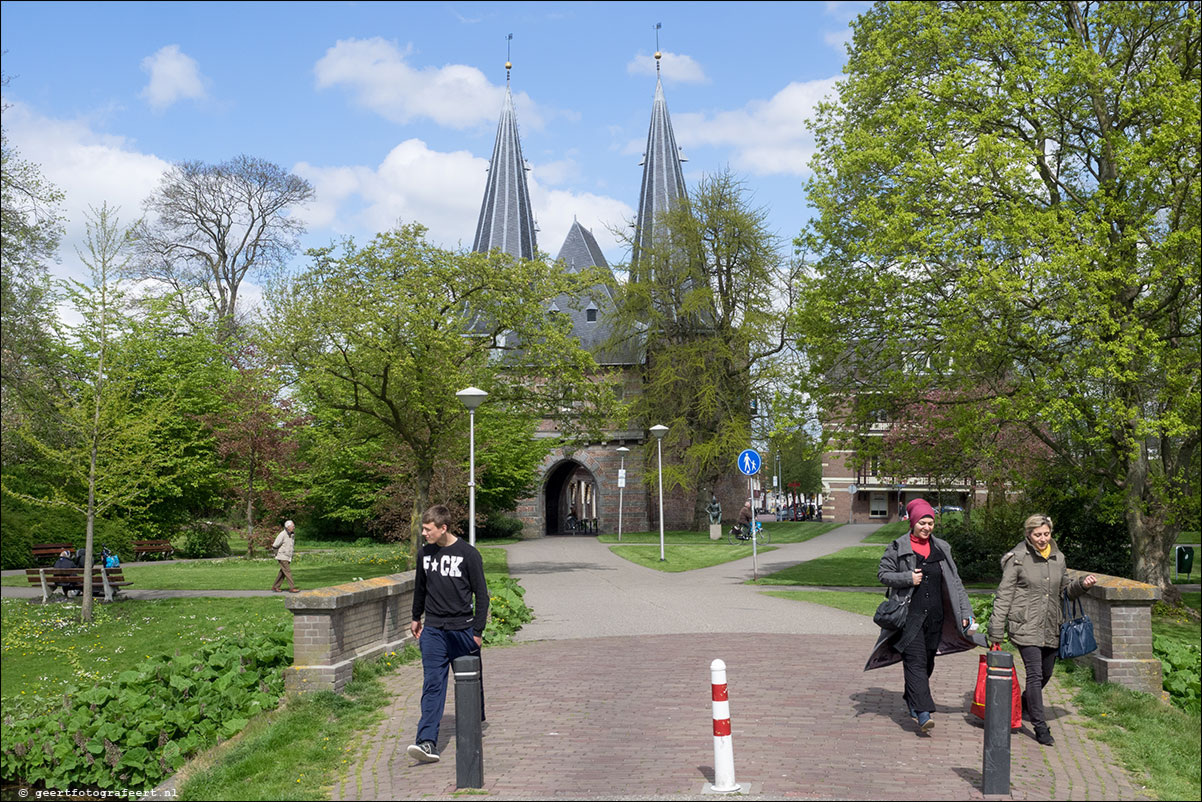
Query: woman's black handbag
point(892, 612)
point(1076, 635)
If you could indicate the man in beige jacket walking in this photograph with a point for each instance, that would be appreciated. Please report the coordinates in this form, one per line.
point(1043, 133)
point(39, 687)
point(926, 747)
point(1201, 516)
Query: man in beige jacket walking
point(282, 547)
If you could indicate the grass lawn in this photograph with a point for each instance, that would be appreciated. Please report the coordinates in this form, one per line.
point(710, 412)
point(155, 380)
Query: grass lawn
point(1192, 599)
point(779, 531)
point(852, 567)
point(851, 601)
point(45, 648)
point(680, 557)
point(888, 533)
point(312, 570)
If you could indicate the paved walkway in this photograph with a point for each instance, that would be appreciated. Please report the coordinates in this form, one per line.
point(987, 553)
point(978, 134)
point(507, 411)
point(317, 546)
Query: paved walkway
point(607, 697)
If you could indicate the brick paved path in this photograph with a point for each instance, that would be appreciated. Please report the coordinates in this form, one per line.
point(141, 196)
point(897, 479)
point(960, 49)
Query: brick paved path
point(579, 716)
point(629, 717)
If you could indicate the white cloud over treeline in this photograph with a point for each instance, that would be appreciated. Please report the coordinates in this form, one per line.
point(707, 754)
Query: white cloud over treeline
point(379, 76)
point(174, 76)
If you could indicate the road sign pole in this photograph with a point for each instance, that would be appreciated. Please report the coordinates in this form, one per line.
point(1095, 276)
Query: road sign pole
point(755, 559)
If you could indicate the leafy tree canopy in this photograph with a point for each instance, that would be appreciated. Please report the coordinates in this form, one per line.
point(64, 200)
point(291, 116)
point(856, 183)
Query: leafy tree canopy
point(1008, 210)
point(379, 339)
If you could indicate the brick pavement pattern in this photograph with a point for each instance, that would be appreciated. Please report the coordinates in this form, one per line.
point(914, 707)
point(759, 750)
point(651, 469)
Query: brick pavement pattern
point(629, 718)
point(608, 697)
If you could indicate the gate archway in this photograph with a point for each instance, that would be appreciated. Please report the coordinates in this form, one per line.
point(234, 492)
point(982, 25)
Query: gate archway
point(570, 490)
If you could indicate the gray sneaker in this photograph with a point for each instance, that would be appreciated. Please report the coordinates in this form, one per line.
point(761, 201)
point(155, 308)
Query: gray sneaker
point(423, 752)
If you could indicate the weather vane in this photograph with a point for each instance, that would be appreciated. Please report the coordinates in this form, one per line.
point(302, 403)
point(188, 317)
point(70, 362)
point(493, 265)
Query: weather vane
point(658, 55)
point(508, 63)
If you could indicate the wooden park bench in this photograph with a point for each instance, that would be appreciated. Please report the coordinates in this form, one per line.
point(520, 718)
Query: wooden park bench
point(106, 581)
point(164, 547)
point(48, 552)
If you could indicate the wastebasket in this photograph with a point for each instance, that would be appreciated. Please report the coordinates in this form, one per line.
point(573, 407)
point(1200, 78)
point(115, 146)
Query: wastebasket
point(1185, 560)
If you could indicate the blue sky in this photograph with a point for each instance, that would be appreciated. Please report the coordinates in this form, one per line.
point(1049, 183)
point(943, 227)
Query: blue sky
point(390, 109)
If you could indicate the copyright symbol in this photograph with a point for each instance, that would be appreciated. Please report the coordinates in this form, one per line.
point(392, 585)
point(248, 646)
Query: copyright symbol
point(24, 792)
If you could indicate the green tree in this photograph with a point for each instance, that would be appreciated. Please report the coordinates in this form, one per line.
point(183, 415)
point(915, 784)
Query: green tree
point(384, 336)
point(710, 298)
point(30, 229)
point(104, 453)
point(1008, 211)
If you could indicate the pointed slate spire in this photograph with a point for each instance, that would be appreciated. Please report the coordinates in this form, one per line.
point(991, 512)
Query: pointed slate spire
point(663, 179)
point(580, 250)
point(506, 221)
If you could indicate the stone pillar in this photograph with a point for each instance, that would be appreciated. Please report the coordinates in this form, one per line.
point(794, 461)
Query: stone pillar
point(335, 626)
point(1121, 611)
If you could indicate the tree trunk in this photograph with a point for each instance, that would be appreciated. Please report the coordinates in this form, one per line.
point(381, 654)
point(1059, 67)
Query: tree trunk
point(250, 510)
point(1152, 538)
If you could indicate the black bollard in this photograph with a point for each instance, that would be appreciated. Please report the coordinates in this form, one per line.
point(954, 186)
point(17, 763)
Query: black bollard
point(998, 688)
point(469, 708)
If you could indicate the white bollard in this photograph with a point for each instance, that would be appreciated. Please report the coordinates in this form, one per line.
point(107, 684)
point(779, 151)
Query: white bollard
point(724, 749)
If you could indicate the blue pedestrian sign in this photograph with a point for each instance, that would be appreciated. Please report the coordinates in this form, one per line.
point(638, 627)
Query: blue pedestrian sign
point(749, 462)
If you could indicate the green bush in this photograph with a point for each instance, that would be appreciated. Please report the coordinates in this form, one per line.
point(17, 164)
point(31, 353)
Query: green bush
point(507, 610)
point(206, 539)
point(22, 525)
point(979, 542)
point(130, 731)
point(1182, 663)
point(1089, 527)
point(499, 526)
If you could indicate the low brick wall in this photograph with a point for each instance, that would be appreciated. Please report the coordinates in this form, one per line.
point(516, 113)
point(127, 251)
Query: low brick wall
point(1121, 611)
point(335, 626)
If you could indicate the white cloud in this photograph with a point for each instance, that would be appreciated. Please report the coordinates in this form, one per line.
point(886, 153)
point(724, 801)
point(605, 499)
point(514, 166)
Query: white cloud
point(379, 77)
point(443, 191)
point(768, 136)
point(676, 67)
point(173, 76)
point(89, 167)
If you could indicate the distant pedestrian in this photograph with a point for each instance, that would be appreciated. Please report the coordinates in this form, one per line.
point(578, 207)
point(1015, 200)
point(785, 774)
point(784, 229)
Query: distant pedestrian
point(1027, 604)
point(450, 575)
point(920, 568)
point(283, 548)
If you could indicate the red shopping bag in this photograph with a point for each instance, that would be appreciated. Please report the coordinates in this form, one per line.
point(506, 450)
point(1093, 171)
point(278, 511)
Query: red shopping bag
point(978, 695)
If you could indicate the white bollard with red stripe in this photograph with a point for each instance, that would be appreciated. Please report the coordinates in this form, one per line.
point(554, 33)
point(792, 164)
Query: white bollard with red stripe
point(724, 749)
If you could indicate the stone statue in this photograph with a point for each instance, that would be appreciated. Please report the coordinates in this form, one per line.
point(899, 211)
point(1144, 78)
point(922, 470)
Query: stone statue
point(714, 508)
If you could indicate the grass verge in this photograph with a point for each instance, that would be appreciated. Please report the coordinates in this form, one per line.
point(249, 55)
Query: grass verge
point(1157, 742)
point(293, 753)
point(45, 648)
point(851, 601)
point(853, 567)
point(680, 557)
point(780, 532)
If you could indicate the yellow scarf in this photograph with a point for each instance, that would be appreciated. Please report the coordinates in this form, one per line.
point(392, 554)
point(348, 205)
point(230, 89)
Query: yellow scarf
point(1046, 550)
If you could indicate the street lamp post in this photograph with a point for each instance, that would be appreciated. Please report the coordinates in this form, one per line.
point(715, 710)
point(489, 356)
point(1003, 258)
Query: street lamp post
point(659, 430)
point(778, 488)
point(623, 451)
point(471, 398)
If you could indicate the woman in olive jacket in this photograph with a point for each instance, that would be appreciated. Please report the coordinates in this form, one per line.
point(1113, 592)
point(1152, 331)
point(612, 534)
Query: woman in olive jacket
point(1034, 576)
point(919, 569)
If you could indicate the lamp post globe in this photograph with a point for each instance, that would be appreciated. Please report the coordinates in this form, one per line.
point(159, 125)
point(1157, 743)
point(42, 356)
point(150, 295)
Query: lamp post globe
point(471, 398)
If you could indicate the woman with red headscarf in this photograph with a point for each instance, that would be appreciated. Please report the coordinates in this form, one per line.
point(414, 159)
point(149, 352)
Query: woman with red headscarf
point(919, 571)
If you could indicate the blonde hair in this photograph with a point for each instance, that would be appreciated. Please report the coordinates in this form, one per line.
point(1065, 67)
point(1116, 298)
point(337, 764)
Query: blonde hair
point(1035, 521)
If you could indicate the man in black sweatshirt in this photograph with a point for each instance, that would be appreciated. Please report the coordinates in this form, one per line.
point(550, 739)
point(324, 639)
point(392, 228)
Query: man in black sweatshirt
point(449, 573)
